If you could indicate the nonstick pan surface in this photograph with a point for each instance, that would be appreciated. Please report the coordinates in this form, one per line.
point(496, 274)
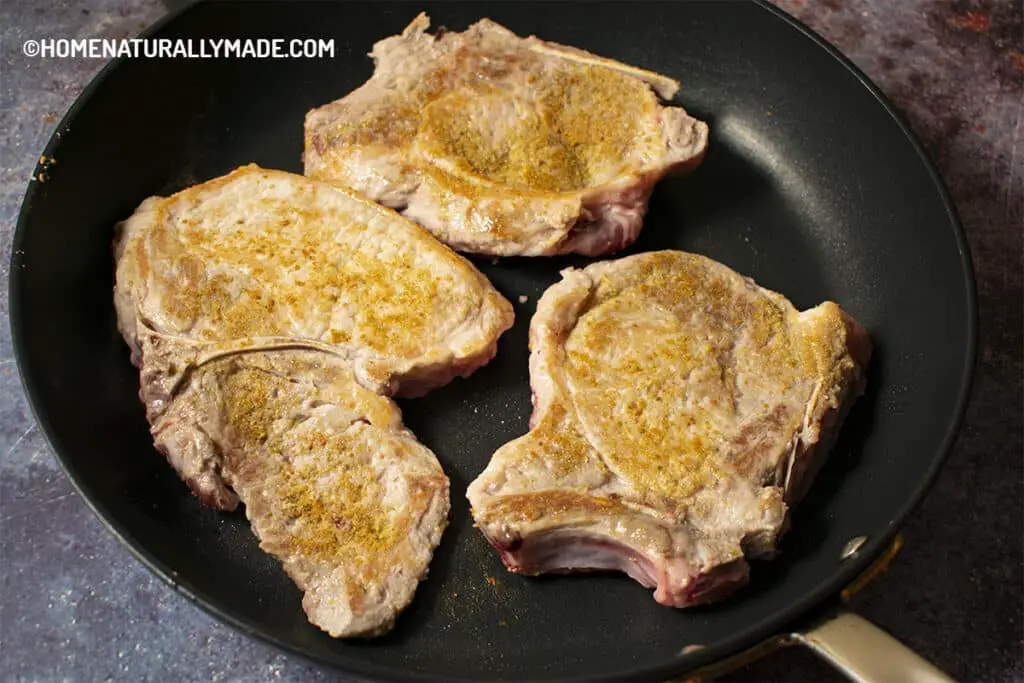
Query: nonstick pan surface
point(811, 185)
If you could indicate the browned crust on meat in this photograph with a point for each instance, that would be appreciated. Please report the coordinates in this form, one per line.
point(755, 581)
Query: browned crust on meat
point(505, 145)
point(222, 292)
point(679, 411)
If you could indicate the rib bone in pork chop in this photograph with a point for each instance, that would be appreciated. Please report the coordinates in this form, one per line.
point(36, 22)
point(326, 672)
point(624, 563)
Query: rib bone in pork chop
point(271, 315)
point(505, 145)
point(679, 411)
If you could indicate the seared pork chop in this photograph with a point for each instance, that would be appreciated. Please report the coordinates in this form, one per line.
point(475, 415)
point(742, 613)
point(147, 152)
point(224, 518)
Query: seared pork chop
point(271, 315)
point(333, 484)
point(679, 411)
point(505, 145)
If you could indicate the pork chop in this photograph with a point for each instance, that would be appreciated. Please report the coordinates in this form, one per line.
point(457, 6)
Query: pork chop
point(679, 412)
point(271, 316)
point(505, 145)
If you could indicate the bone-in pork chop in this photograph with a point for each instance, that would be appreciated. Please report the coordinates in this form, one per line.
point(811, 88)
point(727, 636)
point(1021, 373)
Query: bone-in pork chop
point(679, 411)
point(505, 145)
point(271, 316)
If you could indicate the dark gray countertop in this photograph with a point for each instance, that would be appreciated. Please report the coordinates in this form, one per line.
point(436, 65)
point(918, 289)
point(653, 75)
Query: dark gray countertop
point(76, 606)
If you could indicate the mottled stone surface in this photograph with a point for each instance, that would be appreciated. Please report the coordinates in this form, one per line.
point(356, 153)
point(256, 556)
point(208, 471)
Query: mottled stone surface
point(76, 606)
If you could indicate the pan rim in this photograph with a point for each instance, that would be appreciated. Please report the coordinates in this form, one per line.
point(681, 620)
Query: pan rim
point(740, 640)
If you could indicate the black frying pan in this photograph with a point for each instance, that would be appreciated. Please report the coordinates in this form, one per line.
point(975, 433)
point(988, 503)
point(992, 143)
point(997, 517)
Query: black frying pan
point(812, 185)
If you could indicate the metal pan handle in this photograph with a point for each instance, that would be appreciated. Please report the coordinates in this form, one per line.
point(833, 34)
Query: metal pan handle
point(866, 653)
point(852, 644)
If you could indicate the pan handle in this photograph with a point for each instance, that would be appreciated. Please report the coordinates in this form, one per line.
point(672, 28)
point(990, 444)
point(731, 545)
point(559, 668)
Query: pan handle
point(866, 653)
